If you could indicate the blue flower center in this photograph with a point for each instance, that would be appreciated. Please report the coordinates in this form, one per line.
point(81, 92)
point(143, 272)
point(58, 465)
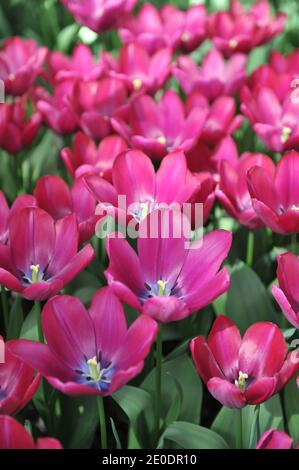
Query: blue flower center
point(96, 373)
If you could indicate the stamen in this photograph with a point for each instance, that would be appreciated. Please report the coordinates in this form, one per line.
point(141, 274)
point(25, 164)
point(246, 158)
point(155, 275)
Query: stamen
point(185, 37)
point(241, 382)
point(161, 140)
point(285, 134)
point(137, 83)
point(94, 369)
point(161, 287)
point(233, 43)
point(35, 270)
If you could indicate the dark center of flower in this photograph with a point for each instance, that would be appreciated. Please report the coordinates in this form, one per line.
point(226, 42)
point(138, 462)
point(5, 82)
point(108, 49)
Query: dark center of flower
point(95, 373)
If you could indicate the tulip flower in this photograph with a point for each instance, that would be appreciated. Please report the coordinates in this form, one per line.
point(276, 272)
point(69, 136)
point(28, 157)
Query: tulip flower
point(21, 61)
point(221, 119)
point(266, 76)
point(275, 198)
point(204, 195)
point(14, 436)
point(233, 191)
point(155, 28)
point(18, 383)
point(168, 280)
point(54, 196)
point(55, 108)
point(79, 66)
point(140, 71)
point(17, 130)
point(215, 77)
point(94, 352)
point(96, 103)
point(134, 177)
point(87, 159)
point(163, 127)
point(41, 256)
point(286, 294)
point(99, 15)
point(285, 64)
point(239, 31)
point(275, 123)
point(25, 200)
point(275, 439)
point(240, 371)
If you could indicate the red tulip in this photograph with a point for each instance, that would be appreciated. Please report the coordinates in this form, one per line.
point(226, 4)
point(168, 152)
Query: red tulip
point(17, 130)
point(94, 352)
point(54, 196)
point(41, 256)
point(241, 371)
point(233, 191)
point(275, 197)
point(18, 383)
point(168, 26)
point(275, 439)
point(14, 436)
point(87, 159)
point(20, 63)
point(287, 293)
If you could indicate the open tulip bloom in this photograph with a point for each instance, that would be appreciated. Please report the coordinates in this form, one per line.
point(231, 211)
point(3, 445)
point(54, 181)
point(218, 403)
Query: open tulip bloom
point(241, 371)
point(94, 353)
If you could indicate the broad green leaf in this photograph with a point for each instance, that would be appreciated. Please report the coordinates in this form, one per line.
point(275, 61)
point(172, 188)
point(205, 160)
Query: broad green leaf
point(15, 319)
point(29, 327)
point(291, 403)
point(191, 436)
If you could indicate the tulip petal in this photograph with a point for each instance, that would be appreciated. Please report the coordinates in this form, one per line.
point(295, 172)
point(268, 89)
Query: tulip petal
point(225, 392)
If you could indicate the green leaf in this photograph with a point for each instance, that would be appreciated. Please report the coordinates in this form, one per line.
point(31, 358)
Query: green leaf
point(271, 416)
point(15, 319)
point(133, 401)
point(291, 403)
point(247, 300)
point(115, 434)
point(29, 328)
point(191, 436)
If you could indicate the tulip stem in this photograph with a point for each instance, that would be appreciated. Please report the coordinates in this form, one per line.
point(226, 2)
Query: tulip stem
point(4, 308)
point(294, 243)
point(37, 309)
point(250, 248)
point(158, 379)
point(239, 438)
point(101, 409)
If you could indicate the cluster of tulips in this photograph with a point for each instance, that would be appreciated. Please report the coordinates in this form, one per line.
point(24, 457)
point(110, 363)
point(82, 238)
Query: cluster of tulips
point(152, 125)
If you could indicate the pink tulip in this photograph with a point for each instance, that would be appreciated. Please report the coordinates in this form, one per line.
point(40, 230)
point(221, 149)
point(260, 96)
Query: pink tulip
point(215, 77)
point(41, 256)
point(6, 213)
point(99, 15)
point(267, 77)
point(275, 439)
point(17, 130)
point(286, 294)
point(275, 197)
point(233, 191)
point(21, 61)
point(167, 27)
point(87, 159)
point(94, 353)
point(54, 196)
point(204, 195)
point(163, 127)
point(167, 280)
point(14, 436)
point(241, 371)
point(241, 31)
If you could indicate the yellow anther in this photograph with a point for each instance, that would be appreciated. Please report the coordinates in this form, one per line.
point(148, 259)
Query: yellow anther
point(161, 287)
point(241, 382)
point(285, 134)
point(137, 83)
point(35, 270)
point(185, 37)
point(94, 369)
point(233, 43)
point(161, 140)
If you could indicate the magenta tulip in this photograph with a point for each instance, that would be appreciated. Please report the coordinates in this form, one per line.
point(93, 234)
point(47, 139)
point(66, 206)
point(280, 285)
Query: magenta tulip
point(215, 77)
point(94, 352)
point(7, 213)
point(99, 15)
point(17, 130)
point(54, 196)
point(21, 61)
point(140, 71)
point(163, 127)
point(266, 76)
point(275, 197)
point(205, 195)
point(18, 383)
point(275, 439)
point(286, 294)
point(134, 177)
point(233, 191)
point(241, 371)
point(168, 280)
point(168, 26)
point(239, 31)
point(14, 436)
point(42, 255)
point(87, 159)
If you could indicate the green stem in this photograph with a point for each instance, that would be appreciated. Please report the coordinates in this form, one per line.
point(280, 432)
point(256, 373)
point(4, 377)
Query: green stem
point(4, 308)
point(239, 439)
point(37, 309)
point(250, 248)
point(294, 243)
point(258, 427)
point(158, 380)
point(101, 409)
